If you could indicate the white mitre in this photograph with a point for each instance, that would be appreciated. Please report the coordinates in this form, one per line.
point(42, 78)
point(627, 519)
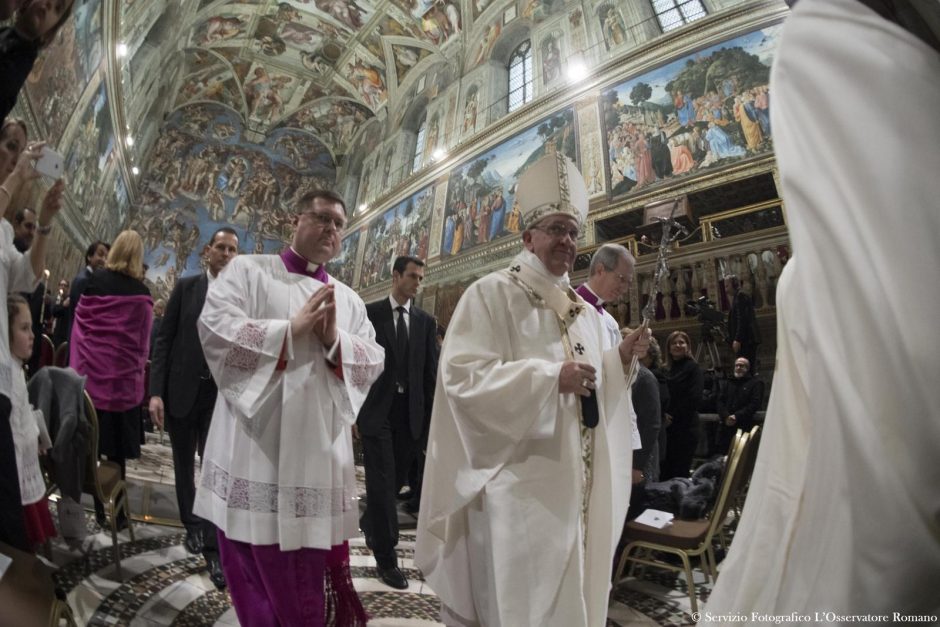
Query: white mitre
point(550, 186)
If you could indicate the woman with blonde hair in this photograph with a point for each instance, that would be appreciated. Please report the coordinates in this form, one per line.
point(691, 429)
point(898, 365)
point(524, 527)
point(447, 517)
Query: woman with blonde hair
point(110, 343)
point(685, 381)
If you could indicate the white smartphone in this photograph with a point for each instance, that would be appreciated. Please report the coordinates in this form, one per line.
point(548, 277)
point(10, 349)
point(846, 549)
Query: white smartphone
point(50, 163)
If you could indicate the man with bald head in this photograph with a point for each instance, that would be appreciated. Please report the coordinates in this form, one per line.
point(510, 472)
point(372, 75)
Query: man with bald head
point(739, 400)
point(529, 454)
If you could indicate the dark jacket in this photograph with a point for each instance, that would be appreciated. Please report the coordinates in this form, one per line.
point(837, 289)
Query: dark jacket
point(77, 287)
point(60, 330)
point(685, 380)
point(177, 363)
point(742, 398)
point(742, 322)
point(422, 370)
point(17, 57)
point(645, 395)
point(58, 394)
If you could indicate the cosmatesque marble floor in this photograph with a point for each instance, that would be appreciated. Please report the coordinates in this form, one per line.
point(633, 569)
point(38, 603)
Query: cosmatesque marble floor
point(161, 584)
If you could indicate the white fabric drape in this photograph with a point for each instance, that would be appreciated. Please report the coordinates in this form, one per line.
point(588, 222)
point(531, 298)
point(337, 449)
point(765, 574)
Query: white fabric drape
point(843, 513)
point(29, 432)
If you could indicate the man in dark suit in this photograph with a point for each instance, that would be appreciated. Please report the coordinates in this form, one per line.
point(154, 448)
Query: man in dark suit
point(394, 418)
point(60, 311)
point(179, 374)
point(96, 255)
point(743, 332)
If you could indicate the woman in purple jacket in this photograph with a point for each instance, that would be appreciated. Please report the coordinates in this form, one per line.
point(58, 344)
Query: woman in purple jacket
point(110, 343)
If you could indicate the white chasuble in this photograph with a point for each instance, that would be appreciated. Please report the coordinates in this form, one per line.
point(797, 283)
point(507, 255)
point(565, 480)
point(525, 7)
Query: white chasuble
point(278, 464)
point(843, 511)
point(521, 506)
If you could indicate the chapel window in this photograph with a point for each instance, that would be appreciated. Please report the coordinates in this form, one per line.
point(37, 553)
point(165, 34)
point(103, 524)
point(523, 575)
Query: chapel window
point(520, 76)
point(418, 159)
point(672, 14)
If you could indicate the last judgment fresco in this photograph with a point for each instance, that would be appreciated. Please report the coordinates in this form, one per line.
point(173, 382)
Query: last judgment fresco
point(205, 174)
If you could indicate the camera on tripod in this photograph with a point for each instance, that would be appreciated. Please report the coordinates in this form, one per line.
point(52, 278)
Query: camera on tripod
point(713, 321)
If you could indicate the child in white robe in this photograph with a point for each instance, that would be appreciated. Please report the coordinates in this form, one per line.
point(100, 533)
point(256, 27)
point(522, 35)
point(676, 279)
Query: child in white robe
point(30, 437)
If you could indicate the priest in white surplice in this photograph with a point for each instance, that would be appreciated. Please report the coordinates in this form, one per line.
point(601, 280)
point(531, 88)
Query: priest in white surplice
point(293, 354)
point(523, 505)
point(609, 277)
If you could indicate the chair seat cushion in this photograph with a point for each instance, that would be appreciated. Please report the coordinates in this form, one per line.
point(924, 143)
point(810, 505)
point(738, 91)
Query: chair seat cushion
point(681, 534)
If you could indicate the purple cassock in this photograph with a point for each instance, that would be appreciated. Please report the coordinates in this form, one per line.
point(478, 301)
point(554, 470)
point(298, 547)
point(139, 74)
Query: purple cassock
point(275, 588)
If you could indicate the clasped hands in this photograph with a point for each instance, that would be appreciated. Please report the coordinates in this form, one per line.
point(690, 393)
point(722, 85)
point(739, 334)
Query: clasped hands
point(317, 316)
point(580, 378)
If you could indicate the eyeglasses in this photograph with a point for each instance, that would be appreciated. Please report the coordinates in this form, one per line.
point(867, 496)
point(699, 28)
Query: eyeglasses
point(29, 226)
point(558, 231)
point(323, 220)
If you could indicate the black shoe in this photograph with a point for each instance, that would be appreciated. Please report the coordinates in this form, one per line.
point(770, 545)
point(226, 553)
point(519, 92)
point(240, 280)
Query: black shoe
point(406, 495)
point(411, 507)
point(392, 577)
point(215, 573)
point(193, 542)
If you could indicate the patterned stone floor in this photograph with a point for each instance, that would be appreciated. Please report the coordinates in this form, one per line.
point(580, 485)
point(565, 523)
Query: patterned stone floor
point(162, 584)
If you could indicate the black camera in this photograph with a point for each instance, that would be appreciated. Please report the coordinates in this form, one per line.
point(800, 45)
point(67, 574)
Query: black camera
point(713, 321)
point(704, 310)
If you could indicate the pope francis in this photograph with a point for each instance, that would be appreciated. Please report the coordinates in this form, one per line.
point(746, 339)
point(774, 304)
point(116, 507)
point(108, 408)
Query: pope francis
point(524, 497)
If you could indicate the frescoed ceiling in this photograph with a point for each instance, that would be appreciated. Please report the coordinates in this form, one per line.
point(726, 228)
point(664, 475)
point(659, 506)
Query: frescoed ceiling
point(326, 66)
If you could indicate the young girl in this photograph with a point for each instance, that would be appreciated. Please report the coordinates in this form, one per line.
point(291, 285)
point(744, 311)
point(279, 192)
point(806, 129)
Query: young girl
point(30, 436)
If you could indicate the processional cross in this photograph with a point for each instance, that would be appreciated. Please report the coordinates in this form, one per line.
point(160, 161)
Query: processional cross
point(672, 229)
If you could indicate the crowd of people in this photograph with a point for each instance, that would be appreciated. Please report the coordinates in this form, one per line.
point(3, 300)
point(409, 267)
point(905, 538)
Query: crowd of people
point(24, 521)
point(530, 435)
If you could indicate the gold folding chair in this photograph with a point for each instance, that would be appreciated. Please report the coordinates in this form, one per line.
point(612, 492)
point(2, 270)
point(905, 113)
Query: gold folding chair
point(103, 480)
point(46, 351)
point(61, 357)
point(748, 469)
point(686, 538)
point(754, 444)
